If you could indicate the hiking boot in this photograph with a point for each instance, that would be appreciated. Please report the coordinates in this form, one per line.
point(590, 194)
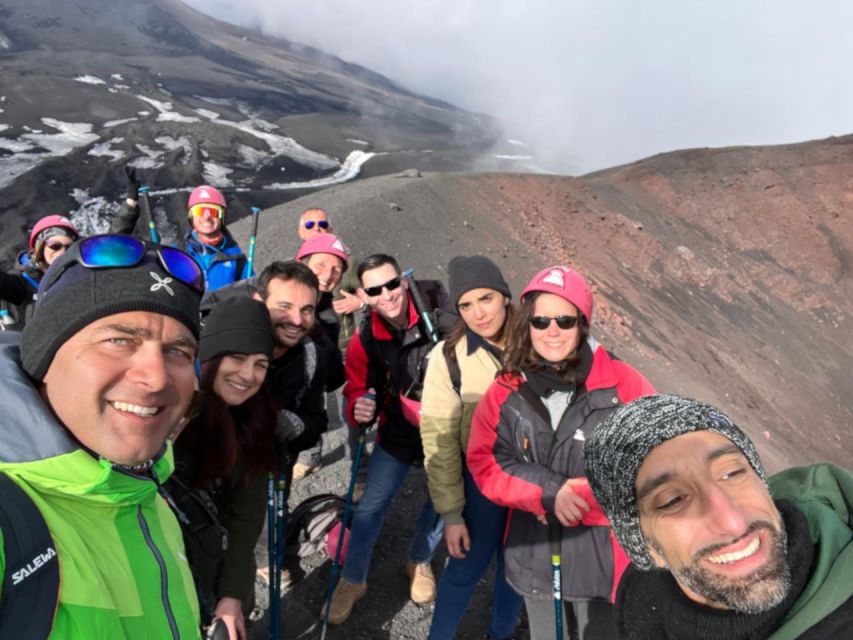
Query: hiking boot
point(344, 597)
point(422, 582)
point(301, 470)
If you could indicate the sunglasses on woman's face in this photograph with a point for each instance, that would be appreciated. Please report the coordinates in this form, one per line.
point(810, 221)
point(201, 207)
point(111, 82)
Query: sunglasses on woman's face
point(543, 322)
point(391, 285)
point(323, 224)
point(58, 246)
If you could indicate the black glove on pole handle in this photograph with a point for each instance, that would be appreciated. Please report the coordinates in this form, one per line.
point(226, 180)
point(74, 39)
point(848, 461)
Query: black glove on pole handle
point(420, 306)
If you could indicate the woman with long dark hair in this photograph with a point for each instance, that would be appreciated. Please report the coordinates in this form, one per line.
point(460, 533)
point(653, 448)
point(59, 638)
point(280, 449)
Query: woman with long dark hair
point(460, 370)
point(526, 452)
point(222, 458)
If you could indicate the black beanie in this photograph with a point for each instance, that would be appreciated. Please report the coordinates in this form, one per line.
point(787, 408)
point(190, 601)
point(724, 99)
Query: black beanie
point(237, 325)
point(81, 295)
point(474, 272)
point(617, 448)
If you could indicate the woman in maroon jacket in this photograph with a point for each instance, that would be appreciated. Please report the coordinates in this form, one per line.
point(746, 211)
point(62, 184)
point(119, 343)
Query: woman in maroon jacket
point(526, 452)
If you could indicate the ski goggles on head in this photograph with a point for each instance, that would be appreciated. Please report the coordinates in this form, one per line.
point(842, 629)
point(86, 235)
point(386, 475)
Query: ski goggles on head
point(543, 322)
point(391, 285)
point(117, 251)
point(209, 210)
point(323, 224)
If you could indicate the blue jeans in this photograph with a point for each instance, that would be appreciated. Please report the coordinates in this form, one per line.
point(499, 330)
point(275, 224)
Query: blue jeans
point(385, 475)
point(485, 521)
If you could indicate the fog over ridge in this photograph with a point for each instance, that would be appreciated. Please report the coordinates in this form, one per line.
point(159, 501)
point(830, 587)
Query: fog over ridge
point(589, 85)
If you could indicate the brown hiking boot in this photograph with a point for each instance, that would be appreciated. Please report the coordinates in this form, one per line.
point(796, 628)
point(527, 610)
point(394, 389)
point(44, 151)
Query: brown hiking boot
point(422, 582)
point(344, 597)
point(301, 470)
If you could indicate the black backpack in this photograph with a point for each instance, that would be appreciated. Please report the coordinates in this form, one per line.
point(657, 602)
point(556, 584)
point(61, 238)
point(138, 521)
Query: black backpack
point(309, 523)
point(31, 579)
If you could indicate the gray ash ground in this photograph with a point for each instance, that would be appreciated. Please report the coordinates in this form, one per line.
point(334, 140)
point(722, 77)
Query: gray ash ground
point(385, 611)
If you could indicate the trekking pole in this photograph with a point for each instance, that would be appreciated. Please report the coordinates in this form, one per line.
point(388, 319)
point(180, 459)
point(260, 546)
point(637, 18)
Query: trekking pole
point(554, 536)
point(256, 213)
point(145, 206)
point(271, 549)
point(279, 551)
point(342, 534)
point(421, 308)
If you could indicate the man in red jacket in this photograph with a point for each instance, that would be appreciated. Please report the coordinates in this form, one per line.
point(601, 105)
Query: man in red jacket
point(384, 364)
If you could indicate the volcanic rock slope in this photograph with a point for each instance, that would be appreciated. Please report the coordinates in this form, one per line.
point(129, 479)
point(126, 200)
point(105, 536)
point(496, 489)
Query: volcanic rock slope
point(91, 85)
point(721, 274)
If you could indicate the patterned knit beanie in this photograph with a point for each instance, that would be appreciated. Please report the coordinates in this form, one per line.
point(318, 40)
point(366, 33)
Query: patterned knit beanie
point(616, 449)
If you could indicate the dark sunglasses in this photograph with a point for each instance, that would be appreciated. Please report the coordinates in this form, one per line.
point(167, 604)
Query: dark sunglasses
point(323, 224)
point(56, 246)
point(564, 322)
point(391, 285)
point(116, 251)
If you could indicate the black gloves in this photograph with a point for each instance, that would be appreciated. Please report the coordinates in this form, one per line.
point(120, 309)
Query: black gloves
point(133, 183)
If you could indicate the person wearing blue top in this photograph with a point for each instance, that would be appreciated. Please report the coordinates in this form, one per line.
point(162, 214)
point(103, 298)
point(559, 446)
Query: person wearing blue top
point(49, 239)
point(207, 241)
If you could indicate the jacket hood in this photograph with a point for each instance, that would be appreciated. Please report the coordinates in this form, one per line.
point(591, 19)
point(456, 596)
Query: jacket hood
point(35, 446)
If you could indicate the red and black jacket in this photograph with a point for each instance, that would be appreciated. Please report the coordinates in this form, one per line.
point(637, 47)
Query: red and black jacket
point(519, 461)
point(393, 363)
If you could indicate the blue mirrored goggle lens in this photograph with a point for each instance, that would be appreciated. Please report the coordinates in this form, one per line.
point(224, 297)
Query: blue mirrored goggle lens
point(183, 267)
point(111, 251)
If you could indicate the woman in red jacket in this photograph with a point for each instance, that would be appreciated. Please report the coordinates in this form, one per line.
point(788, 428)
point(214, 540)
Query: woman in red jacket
point(526, 452)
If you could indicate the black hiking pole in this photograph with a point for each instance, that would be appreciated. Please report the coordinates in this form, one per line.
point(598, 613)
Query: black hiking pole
point(145, 206)
point(279, 551)
point(554, 536)
point(256, 213)
point(271, 548)
point(347, 508)
point(421, 307)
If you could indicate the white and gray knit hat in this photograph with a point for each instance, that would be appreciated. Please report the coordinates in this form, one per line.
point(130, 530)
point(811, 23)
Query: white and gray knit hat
point(616, 449)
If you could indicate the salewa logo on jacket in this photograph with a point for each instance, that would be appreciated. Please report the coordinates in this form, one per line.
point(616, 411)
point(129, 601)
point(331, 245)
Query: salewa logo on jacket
point(33, 565)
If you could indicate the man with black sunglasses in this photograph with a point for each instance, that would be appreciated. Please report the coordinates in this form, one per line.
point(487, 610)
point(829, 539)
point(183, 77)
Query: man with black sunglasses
point(385, 362)
point(102, 375)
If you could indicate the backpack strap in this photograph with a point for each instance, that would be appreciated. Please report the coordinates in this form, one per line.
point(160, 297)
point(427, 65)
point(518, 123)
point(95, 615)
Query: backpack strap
point(31, 580)
point(452, 368)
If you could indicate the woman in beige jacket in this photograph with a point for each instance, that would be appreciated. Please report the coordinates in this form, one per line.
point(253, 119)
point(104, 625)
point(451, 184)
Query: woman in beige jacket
point(460, 370)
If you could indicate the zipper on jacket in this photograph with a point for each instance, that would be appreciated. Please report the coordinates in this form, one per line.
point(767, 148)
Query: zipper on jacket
point(164, 580)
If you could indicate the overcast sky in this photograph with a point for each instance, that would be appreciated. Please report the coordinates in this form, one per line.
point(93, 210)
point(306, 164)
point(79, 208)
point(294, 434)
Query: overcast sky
point(597, 83)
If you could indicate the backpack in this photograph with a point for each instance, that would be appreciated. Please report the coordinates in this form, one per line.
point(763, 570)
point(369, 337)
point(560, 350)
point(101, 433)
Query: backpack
point(436, 299)
point(205, 537)
point(309, 523)
point(31, 580)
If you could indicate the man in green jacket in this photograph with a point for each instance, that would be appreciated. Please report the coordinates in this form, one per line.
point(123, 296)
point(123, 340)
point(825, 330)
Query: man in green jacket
point(718, 549)
point(103, 375)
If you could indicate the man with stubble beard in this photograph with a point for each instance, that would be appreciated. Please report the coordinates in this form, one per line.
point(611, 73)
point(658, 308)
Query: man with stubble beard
point(297, 373)
point(719, 550)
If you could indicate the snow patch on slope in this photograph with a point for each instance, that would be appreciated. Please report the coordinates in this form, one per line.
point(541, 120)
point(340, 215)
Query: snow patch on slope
point(90, 80)
point(349, 169)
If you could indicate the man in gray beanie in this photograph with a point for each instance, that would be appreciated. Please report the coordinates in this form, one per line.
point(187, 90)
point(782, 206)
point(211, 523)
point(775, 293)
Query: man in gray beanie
point(103, 375)
point(719, 550)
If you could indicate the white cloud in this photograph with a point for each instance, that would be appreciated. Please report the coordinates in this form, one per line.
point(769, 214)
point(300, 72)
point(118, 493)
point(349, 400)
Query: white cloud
point(591, 84)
